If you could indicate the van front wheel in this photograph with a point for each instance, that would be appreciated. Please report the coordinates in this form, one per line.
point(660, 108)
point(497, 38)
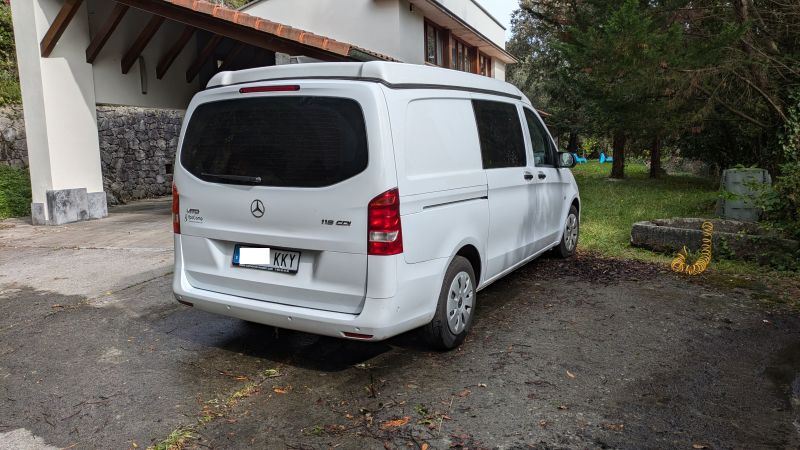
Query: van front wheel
point(456, 307)
point(569, 242)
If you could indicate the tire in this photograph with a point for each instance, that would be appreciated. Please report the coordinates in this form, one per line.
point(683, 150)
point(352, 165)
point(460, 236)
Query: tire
point(455, 309)
point(569, 241)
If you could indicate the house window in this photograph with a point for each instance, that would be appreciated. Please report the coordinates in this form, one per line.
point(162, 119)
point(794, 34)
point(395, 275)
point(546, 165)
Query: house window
point(484, 65)
point(434, 44)
point(462, 56)
point(444, 50)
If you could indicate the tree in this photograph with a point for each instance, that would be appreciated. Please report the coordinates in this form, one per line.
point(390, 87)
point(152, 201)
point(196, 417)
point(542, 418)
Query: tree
point(624, 56)
point(713, 77)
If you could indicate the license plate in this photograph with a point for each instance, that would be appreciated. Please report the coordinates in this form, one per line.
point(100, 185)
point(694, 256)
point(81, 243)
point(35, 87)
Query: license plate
point(263, 258)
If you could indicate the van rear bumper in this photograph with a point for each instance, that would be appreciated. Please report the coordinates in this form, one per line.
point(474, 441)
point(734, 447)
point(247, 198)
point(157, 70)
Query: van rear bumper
point(412, 306)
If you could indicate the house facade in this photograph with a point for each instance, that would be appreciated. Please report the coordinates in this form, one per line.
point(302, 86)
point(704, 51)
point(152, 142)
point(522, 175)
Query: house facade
point(84, 59)
point(455, 34)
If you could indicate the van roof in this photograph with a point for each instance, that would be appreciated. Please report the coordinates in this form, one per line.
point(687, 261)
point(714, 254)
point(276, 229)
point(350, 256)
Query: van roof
point(391, 74)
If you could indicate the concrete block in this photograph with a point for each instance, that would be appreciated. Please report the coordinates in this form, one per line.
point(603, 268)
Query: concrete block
point(67, 206)
point(97, 205)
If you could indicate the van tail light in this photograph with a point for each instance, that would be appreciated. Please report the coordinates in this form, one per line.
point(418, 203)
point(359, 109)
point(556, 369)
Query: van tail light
point(260, 89)
point(385, 234)
point(176, 210)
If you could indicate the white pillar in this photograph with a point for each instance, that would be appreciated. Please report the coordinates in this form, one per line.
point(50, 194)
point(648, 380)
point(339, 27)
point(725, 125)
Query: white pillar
point(60, 116)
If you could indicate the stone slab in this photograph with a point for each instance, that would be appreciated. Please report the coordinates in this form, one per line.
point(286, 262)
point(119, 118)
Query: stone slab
point(731, 240)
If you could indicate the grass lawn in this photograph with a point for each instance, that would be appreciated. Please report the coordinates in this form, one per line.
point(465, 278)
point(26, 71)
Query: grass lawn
point(610, 208)
point(15, 192)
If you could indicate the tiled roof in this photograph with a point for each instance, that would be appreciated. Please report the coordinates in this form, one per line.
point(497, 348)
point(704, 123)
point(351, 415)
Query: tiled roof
point(281, 30)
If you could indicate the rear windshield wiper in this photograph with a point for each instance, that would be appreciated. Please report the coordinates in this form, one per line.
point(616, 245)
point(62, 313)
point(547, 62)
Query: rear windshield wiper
point(237, 178)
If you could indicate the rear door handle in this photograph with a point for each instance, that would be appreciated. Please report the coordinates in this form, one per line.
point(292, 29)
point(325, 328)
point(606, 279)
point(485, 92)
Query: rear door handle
point(528, 176)
point(542, 175)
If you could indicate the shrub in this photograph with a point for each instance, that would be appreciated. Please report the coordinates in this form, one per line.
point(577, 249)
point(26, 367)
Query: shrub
point(15, 192)
point(781, 204)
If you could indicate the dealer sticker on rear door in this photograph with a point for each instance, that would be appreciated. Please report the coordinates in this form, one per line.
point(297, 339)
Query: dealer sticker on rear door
point(193, 216)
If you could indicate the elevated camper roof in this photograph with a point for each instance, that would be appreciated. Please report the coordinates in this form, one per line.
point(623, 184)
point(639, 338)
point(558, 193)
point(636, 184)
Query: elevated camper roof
point(396, 75)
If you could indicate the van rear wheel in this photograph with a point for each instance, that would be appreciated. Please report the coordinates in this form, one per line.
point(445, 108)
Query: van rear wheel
point(456, 307)
point(569, 242)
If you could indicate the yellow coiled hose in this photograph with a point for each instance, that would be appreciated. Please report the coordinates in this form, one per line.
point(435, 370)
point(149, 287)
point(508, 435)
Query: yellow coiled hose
point(679, 263)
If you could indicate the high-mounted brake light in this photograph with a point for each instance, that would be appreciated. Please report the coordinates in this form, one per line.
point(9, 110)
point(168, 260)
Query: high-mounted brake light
point(176, 210)
point(257, 89)
point(384, 230)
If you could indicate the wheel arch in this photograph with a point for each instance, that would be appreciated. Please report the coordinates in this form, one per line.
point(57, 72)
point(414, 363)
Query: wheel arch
point(469, 250)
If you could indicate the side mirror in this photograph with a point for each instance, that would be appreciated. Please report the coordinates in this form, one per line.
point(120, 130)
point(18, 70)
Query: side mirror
point(566, 160)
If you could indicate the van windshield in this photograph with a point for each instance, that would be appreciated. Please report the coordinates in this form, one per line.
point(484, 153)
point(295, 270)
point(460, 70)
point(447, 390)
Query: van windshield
point(296, 141)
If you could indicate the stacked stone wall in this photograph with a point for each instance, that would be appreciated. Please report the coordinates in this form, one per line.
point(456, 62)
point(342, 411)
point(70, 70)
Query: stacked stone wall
point(137, 148)
point(13, 145)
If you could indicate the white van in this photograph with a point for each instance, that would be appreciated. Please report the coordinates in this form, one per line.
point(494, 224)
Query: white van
point(363, 200)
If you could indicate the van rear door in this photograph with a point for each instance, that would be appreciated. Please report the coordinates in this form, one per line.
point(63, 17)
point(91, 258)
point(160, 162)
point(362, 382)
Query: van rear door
point(285, 168)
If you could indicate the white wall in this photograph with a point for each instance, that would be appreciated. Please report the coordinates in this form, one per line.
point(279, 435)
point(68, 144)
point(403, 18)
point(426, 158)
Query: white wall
point(63, 145)
point(474, 15)
point(499, 69)
point(114, 88)
point(384, 26)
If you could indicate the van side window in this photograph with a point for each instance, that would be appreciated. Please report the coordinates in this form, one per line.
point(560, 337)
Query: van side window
point(502, 143)
point(543, 153)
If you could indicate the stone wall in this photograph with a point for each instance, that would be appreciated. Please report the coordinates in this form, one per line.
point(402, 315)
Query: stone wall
point(13, 146)
point(137, 148)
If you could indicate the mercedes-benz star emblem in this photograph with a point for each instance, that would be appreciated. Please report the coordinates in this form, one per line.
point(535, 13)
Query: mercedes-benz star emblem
point(257, 209)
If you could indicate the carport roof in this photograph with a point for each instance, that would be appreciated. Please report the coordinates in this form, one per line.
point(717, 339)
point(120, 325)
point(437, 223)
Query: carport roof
point(221, 21)
point(242, 19)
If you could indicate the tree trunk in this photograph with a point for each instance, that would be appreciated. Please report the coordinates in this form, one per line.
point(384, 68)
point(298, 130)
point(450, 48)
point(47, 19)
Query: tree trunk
point(572, 147)
point(618, 167)
point(655, 158)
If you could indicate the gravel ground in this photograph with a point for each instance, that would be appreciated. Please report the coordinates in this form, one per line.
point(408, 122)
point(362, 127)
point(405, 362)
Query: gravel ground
point(588, 353)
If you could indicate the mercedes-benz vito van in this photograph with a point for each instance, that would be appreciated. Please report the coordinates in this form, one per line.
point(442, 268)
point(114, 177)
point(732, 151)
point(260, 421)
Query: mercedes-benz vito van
point(363, 200)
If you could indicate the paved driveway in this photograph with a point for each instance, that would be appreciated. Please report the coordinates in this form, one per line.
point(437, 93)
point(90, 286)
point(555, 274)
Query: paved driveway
point(95, 353)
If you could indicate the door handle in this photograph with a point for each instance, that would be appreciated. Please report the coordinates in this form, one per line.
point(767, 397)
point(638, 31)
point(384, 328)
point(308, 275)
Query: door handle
point(528, 176)
point(542, 175)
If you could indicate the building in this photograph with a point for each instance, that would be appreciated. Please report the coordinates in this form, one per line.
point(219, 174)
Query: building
point(81, 59)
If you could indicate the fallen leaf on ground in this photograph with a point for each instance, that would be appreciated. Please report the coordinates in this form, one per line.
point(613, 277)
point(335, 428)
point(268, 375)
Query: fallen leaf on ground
point(570, 374)
point(614, 426)
point(543, 423)
point(563, 407)
point(282, 390)
point(464, 393)
point(395, 423)
point(425, 446)
point(481, 384)
point(700, 446)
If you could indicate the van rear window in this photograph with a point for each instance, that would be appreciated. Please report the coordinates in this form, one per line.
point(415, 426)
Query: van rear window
point(296, 141)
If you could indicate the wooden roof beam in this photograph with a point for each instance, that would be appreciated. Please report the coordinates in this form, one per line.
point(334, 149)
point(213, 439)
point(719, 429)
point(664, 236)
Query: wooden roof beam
point(231, 56)
point(203, 57)
point(172, 54)
point(59, 25)
point(99, 40)
point(141, 42)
